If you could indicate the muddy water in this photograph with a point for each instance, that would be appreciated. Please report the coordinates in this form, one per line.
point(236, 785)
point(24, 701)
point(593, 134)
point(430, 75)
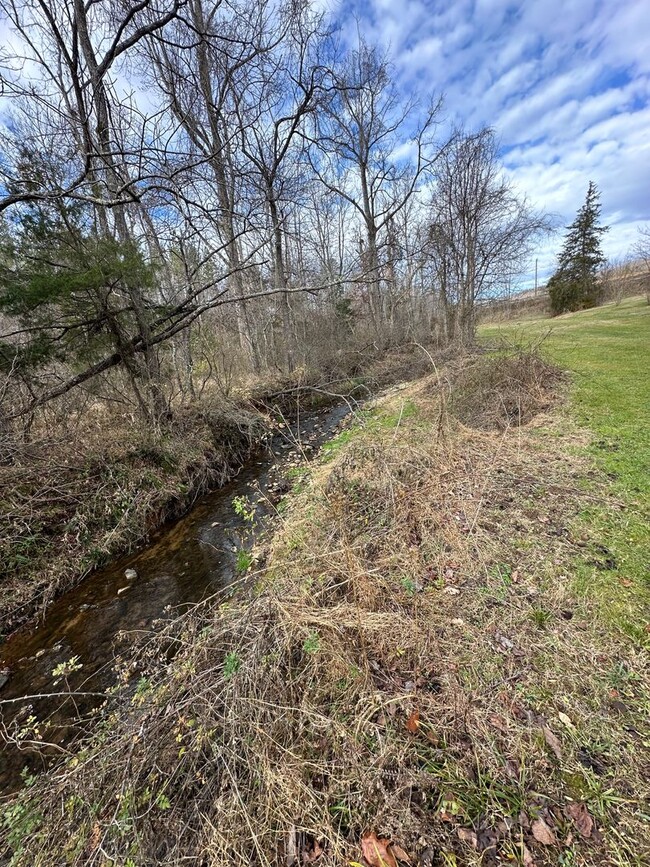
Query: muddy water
point(185, 562)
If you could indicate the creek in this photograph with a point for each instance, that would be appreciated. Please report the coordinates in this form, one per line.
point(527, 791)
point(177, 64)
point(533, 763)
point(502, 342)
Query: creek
point(184, 562)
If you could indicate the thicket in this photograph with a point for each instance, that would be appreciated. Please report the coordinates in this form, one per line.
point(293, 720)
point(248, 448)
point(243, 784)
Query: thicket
point(256, 200)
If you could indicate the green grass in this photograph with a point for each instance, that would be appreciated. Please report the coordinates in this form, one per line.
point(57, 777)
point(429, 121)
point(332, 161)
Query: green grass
point(370, 420)
point(607, 351)
point(243, 561)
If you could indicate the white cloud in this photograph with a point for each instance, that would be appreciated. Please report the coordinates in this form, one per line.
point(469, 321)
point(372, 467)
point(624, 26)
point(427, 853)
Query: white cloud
point(565, 84)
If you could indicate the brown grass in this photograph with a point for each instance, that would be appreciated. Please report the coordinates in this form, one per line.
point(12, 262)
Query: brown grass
point(413, 661)
point(494, 392)
point(93, 484)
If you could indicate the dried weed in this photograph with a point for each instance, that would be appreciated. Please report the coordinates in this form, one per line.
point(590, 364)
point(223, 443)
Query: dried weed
point(390, 678)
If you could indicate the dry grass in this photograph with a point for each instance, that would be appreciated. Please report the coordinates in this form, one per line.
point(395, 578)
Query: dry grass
point(92, 485)
point(494, 392)
point(412, 661)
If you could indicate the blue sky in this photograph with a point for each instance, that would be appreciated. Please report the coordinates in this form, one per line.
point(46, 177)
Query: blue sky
point(564, 83)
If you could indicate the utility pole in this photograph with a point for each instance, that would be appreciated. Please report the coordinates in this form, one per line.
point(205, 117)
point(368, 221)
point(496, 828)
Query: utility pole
point(535, 276)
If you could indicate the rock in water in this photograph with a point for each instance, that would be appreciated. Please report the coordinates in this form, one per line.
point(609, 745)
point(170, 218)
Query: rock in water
point(130, 574)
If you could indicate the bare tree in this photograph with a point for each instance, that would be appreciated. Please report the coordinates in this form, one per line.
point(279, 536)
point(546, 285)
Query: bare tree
point(199, 63)
point(251, 196)
point(272, 110)
point(369, 150)
point(642, 250)
point(618, 278)
point(481, 231)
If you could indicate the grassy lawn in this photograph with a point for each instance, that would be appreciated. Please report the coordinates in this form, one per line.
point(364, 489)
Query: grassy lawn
point(607, 351)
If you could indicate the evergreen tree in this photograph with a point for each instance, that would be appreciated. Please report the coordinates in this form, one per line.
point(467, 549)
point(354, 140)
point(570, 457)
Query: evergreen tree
point(64, 289)
point(573, 286)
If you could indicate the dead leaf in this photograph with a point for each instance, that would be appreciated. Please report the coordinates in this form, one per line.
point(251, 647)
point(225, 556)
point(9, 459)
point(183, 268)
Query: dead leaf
point(487, 839)
point(513, 769)
point(581, 818)
point(399, 853)
point(504, 827)
point(314, 855)
point(451, 591)
point(543, 834)
point(518, 711)
point(413, 722)
point(566, 720)
point(466, 835)
point(553, 741)
point(376, 851)
point(625, 582)
point(95, 838)
point(498, 722)
point(528, 859)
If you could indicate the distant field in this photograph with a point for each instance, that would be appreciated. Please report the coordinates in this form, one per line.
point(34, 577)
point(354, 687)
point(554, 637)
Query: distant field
point(607, 351)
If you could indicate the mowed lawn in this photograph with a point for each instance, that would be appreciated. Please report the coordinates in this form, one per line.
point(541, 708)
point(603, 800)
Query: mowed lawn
point(607, 352)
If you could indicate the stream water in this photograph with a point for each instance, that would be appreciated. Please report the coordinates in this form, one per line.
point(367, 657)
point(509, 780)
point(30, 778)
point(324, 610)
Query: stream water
point(184, 562)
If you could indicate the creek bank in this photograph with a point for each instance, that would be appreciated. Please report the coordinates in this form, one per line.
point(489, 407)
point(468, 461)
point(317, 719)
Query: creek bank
point(218, 545)
point(403, 671)
point(69, 511)
point(71, 504)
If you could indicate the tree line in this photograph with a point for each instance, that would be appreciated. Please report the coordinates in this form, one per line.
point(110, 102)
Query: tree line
point(195, 187)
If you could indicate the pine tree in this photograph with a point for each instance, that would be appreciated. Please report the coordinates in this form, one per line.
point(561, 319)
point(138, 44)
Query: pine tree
point(573, 286)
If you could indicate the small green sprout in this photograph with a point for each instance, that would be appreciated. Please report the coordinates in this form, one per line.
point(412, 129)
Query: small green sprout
point(312, 643)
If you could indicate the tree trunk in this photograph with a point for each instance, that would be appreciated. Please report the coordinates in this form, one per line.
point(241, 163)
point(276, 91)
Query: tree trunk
point(280, 282)
point(217, 163)
point(104, 150)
